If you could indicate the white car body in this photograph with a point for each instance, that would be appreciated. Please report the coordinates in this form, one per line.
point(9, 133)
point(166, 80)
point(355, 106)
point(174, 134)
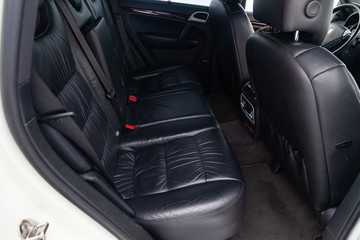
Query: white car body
point(25, 194)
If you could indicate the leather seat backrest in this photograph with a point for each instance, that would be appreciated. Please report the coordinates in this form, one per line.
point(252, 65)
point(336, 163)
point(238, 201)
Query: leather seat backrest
point(231, 29)
point(102, 44)
point(309, 100)
point(60, 63)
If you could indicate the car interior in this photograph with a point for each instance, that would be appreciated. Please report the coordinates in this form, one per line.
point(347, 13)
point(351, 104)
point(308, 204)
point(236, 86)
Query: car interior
point(167, 120)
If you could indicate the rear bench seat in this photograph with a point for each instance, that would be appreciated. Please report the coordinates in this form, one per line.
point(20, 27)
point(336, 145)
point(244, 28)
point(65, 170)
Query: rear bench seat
point(175, 174)
point(148, 82)
point(183, 99)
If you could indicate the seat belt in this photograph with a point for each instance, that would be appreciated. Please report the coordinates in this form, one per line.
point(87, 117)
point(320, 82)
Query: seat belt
point(111, 92)
point(53, 112)
point(121, 27)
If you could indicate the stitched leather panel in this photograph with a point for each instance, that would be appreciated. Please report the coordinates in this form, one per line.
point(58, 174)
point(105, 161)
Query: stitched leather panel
point(174, 164)
point(162, 81)
point(55, 63)
point(151, 111)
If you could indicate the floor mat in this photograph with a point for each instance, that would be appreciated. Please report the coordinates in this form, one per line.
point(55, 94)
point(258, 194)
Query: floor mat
point(246, 149)
point(274, 209)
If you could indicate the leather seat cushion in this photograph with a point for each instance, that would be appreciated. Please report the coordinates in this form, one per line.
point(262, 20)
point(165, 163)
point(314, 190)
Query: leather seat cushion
point(210, 210)
point(185, 177)
point(162, 81)
point(173, 163)
point(167, 108)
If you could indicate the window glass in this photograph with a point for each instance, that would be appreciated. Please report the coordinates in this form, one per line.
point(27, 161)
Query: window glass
point(192, 2)
point(249, 5)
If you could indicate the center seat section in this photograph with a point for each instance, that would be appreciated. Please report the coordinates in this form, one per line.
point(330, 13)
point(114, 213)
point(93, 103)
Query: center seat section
point(105, 39)
point(170, 102)
point(178, 179)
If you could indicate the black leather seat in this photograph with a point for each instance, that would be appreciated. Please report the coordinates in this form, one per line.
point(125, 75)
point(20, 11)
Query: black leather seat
point(309, 100)
point(144, 83)
point(164, 94)
point(231, 28)
point(177, 178)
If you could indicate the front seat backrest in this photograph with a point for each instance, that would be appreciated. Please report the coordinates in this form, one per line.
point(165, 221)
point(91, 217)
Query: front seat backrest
point(308, 99)
point(231, 28)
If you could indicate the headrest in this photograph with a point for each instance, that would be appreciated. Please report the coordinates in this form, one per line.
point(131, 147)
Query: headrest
point(311, 17)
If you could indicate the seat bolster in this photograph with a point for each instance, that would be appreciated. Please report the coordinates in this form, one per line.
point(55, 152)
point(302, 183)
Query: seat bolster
point(203, 211)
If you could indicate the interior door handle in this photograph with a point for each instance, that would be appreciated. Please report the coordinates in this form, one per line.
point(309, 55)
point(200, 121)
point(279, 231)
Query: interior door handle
point(199, 17)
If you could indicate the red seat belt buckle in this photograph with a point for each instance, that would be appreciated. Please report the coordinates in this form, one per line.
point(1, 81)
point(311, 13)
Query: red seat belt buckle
point(132, 98)
point(131, 127)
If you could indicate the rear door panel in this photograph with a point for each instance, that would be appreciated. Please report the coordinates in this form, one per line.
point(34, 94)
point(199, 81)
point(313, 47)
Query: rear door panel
point(162, 34)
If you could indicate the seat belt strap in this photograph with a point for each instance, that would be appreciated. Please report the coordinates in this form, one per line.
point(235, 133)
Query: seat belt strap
point(111, 92)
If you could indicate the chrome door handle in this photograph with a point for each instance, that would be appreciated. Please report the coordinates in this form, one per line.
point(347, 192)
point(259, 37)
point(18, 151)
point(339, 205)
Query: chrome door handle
point(30, 229)
point(199, 17)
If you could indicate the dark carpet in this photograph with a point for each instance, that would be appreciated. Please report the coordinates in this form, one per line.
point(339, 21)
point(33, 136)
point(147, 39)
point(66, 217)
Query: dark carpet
point(274, 209)
point(224, 108)
point(246, 149)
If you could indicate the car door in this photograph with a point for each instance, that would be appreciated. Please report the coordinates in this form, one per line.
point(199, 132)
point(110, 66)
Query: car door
point(169, 33)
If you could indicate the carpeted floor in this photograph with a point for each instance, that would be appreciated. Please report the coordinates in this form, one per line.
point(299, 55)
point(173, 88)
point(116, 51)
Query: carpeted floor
point(274, 209)
point(246, 149)
point(224, 108)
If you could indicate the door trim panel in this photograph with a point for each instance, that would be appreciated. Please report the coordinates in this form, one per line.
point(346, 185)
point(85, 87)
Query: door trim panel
point(157, 13)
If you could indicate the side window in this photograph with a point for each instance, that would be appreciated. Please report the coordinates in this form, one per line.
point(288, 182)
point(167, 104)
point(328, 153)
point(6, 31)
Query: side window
point(249, 5)
point(194, 2)
point(191, 2)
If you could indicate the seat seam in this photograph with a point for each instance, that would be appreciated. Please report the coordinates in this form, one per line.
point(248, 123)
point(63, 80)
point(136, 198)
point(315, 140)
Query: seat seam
point(134, 171)
point(200, 158)
point(329, 69)
point(87, 117)
point(166, 168)
point(70, 79)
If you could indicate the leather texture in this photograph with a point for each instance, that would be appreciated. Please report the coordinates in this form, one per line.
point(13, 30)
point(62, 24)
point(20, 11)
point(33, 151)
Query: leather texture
point(145, 83)
point(292, 15)
point(165, 82)
point(311, 108)
point(175, 173)
point(212, 213)
point(231, 28)
point(191, 159)
point(53, 59)
point(171, 107)
point(162, 81)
